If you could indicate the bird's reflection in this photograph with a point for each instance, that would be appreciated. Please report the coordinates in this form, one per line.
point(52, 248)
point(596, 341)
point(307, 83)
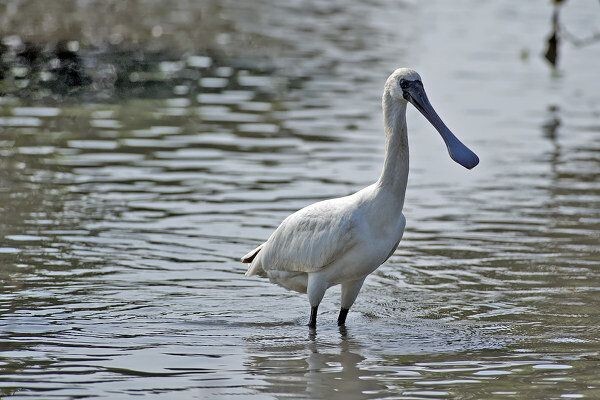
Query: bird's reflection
point(327, 365)
point(337, 374)
point(550, 129)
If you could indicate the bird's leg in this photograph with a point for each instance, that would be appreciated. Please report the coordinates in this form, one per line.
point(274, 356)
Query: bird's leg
point(342, 316)
point(313, 317)
point(316, 287)
point(349, 293)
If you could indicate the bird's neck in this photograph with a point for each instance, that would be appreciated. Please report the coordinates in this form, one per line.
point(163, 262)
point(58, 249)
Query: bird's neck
point(394, 176)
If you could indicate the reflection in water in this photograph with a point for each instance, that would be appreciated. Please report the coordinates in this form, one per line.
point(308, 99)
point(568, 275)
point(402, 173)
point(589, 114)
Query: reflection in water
point(124, 210)
point(340, 365)
point(550, 129)
point(348, 380)
point(334, 372)
point(325, 368)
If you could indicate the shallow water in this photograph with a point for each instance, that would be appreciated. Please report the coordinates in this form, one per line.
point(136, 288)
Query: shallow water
point(122, 221)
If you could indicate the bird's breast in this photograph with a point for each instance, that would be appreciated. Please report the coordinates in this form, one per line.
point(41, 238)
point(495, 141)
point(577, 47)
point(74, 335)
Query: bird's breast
point(374, 245)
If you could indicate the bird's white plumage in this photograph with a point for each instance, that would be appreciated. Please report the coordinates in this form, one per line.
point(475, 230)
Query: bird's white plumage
point(342, 240)
point(310, 239)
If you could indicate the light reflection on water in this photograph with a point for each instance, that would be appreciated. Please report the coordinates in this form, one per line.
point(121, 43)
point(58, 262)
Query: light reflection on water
point(122, 223)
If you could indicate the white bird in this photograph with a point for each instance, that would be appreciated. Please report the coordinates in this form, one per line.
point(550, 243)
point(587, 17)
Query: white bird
point(342, 240)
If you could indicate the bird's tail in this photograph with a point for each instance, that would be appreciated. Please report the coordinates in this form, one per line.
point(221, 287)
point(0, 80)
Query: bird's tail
point(249, 258)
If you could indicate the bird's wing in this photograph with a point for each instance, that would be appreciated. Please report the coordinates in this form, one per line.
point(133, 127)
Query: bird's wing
point(310, 239)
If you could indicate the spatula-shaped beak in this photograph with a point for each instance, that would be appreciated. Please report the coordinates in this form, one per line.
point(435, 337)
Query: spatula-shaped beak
point(415, 94)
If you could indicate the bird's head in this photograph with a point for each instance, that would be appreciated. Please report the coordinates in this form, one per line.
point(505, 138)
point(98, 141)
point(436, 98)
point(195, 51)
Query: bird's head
point(399, 80)
point(405, 85)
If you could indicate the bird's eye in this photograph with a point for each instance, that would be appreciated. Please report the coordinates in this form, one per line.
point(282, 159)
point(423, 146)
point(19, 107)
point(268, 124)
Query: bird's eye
point(404, 84)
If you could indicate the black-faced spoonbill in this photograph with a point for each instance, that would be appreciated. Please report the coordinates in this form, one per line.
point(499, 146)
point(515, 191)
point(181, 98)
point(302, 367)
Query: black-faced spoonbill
point(342, 240)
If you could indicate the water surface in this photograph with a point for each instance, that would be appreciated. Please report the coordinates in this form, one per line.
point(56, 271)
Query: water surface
point(123, 217)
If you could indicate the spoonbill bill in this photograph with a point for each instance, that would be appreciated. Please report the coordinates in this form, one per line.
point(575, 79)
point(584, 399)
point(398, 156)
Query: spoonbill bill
point(343, 240)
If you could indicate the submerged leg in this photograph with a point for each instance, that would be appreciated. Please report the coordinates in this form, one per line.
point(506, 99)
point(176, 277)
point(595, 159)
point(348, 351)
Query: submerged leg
point(316, 288)
point(349, 292)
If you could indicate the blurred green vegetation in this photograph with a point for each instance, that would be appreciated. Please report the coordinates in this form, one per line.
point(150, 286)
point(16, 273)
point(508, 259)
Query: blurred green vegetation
point(98, 48)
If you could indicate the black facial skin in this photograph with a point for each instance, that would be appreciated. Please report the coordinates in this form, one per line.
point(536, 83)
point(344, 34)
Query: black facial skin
point(404, 84)
point(406, 87)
